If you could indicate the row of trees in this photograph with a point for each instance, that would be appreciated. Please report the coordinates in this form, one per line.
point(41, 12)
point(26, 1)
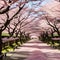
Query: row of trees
point(7, 14)
point(13, 16)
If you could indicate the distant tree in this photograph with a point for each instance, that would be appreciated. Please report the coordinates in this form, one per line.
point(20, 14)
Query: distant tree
point(54, 26)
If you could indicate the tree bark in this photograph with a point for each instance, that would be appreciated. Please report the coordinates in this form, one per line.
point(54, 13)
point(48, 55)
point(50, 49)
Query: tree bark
point(1, 57)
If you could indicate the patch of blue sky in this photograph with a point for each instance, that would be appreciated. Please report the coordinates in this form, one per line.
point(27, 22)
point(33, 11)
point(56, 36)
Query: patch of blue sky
point(28, 5)
point(35, 3)
point(33, 14)
point(46, 1)
point(32, 4)
point(14, 5)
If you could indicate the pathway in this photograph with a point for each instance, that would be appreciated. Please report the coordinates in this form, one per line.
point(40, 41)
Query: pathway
point(34, 50)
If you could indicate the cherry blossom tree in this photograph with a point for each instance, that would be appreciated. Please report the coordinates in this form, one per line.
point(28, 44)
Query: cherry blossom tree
point(57, 0)
point(6, 11)
point(55, 26)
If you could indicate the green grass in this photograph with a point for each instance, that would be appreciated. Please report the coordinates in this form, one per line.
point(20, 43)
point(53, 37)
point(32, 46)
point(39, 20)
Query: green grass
point(8, 49)
point(55, 34)
point(5, 34)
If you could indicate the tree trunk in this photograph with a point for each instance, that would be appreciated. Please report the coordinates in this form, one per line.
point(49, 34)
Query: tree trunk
point(52, 35)
point(58, 32)
point(21, 37)
point(1, 57)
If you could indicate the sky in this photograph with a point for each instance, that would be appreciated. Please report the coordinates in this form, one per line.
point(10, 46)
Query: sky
point(35, 5)
point(47, 1)
point(32, 3)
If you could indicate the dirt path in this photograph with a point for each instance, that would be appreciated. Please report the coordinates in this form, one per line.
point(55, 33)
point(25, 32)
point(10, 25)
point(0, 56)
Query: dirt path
point(34, 50)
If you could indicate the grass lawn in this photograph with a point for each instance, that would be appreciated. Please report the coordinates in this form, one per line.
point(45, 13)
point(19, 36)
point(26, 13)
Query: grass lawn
point(5, 34)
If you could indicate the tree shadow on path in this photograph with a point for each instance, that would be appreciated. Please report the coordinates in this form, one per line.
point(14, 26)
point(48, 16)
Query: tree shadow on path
point(34, 50)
